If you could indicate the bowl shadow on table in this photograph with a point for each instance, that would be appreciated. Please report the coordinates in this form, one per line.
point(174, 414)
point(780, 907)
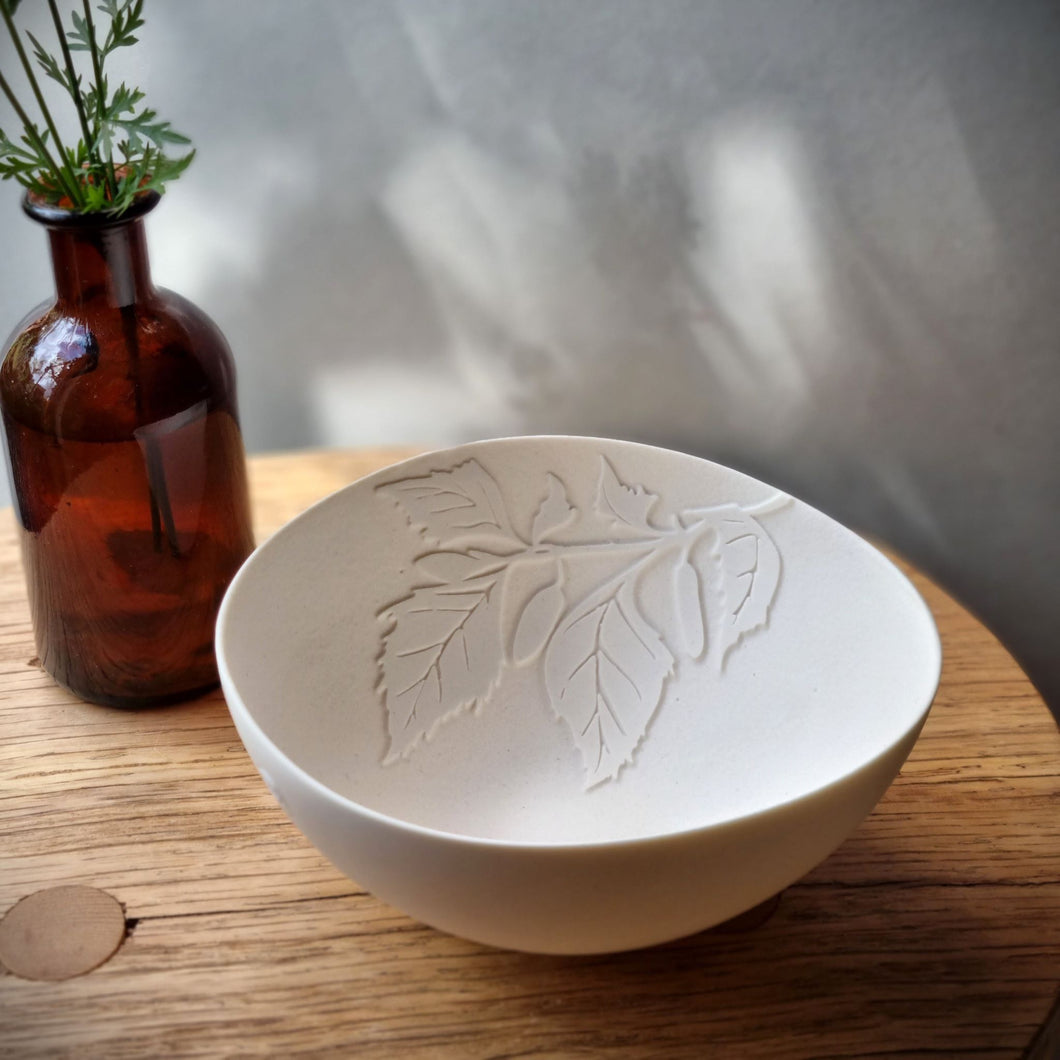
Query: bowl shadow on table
point(783, 976)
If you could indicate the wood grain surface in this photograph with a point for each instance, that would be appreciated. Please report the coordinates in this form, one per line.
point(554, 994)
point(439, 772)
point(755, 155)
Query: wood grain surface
point(933, 931)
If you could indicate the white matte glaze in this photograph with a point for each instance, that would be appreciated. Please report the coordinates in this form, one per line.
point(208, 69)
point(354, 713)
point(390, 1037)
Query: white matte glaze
point(573, 695)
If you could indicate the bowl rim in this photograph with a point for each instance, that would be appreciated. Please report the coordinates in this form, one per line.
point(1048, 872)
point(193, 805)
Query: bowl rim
point(243, 718)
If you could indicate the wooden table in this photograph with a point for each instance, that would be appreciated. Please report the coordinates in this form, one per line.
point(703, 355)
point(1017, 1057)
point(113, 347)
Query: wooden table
point(934, 930)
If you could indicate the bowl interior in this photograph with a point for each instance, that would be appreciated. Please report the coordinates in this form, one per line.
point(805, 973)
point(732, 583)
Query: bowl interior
point(566, 640)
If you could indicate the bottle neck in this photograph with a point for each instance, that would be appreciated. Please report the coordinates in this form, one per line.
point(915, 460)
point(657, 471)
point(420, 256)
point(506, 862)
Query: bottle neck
point(106, 266)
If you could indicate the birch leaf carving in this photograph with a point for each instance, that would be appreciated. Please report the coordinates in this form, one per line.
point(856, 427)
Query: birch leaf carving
point(459, 566)
point(622, 504)
point(604, 598)
point(688, 608)
point(454, 504)
point(538, 619)
point(605, 668)
point(554, 513)
point(441, 655)
point(524, 580)
point(750, 574)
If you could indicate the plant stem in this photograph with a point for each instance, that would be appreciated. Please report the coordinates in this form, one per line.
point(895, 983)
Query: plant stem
point(64, 172)
point(764, 507)
point(157, 492)
point(667, 539)
point(71, 75)
point(31, 131)
point(97, 73)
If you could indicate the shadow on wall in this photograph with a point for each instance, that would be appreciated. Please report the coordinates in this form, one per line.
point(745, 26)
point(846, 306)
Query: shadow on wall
point(813, 240)
point(722, 302)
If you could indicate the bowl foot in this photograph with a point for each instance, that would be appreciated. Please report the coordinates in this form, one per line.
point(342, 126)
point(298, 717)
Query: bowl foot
point(753, 918)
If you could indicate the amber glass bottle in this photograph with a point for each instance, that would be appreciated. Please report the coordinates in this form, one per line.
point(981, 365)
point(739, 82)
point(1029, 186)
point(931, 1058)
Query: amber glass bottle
point(127, 468)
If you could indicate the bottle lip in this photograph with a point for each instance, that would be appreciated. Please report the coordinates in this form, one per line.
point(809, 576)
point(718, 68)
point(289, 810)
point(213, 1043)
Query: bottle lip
point(55, 216)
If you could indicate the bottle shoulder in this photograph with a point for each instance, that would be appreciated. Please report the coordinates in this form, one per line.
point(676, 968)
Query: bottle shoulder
point(91, 370)
point(34, 315)
point(174, 310)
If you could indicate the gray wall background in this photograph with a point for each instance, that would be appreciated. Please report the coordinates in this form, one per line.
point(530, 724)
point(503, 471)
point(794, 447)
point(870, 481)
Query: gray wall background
point(816, 239)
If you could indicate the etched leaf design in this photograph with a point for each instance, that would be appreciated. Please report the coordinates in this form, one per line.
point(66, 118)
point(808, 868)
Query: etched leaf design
point(440, 656)
point(449, 505)
point(620, 503)
point(605, 668)
point(538, 620)
point(555, 512)
point(688, 608)
point(496, 600)
point(525, 578)
point(459, 566)
point(750, 574)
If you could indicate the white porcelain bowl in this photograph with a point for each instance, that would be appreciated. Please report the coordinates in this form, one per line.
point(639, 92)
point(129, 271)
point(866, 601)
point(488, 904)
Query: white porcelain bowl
point(570, 695)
